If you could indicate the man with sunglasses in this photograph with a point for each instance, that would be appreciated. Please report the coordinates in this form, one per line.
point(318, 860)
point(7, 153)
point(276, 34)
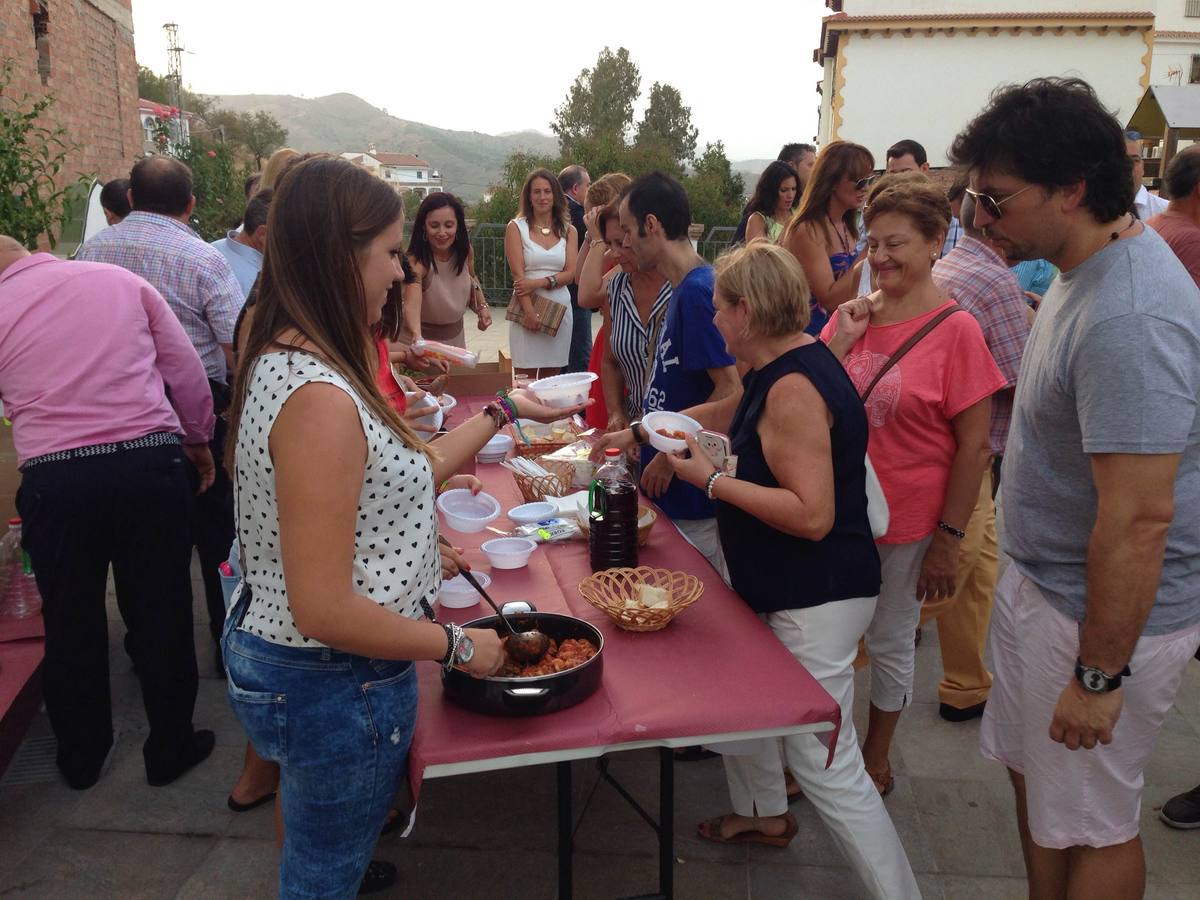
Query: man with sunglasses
point(1145, 204)
point(1096, 618)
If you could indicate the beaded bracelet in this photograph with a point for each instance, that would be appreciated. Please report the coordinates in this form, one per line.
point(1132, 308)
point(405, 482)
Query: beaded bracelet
point(712, 480)
point(510, 410)
point(951, 530)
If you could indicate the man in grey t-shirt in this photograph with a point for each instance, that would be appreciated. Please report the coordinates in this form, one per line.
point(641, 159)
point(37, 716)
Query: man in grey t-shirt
point(1100, 612)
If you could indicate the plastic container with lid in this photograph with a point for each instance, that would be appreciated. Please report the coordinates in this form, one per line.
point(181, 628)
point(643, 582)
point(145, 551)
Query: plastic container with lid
point(437, 350)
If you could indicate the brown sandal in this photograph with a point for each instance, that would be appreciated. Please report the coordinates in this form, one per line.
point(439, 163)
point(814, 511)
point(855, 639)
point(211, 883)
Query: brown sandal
point(884, 782)
point(711, 829)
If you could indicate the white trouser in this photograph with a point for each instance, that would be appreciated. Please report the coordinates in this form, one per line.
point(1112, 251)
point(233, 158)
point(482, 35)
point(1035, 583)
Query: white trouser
point(825, 641)
point(704, 535)
point(891, 637)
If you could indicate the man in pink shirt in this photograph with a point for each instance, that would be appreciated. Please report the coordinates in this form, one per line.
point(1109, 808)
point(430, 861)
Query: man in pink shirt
point(1179, 225)
point(108, 401)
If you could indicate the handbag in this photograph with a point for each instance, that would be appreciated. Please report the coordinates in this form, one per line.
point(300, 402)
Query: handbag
point(877, 505)
point(549, 313)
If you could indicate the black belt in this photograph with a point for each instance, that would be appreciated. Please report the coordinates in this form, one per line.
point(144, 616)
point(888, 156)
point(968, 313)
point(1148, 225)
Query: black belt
point(154, 439)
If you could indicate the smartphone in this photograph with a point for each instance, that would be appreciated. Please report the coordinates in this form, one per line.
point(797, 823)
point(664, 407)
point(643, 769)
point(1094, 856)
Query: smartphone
point(717, 448)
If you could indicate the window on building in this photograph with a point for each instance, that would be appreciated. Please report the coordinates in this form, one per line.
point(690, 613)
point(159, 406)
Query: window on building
point(40, 11)
point(1191, 9)
point(420, 175)
point(1194, 74)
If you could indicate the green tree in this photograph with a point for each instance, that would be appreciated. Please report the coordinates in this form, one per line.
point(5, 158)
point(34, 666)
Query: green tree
point(668, 122)
point(599, 103)
point(260, 133)
point(152, 86)
point(715, 191)
point(32, 156)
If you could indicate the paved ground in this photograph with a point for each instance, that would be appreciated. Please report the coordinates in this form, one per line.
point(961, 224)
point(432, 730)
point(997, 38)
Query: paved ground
point(952, 809)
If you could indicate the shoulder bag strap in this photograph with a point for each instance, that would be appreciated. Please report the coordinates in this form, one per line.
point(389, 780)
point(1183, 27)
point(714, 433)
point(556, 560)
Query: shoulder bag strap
point(908, 345)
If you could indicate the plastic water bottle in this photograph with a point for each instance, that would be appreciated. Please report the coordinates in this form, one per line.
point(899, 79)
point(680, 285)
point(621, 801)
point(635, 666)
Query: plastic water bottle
point(20, 594)
point(613, 515)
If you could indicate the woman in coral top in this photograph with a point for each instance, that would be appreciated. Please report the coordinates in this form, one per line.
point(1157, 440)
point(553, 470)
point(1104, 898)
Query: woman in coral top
point(928, 420)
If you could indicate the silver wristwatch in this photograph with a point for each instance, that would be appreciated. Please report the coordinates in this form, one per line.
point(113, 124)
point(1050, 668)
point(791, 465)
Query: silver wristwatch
point(465, 651)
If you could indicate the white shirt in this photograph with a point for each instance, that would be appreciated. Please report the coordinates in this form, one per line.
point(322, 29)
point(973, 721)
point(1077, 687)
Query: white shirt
point(1147, 204)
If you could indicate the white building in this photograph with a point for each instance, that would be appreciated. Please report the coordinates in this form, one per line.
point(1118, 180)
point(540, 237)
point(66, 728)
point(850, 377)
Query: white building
point(922, 69)
point(403, 171)
point(153, 115)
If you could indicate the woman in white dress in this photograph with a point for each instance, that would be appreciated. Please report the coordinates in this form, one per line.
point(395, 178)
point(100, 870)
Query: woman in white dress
point(540, 245)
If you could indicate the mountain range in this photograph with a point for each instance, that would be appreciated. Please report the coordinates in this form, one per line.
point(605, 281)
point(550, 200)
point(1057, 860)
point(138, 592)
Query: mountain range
point(469, 161)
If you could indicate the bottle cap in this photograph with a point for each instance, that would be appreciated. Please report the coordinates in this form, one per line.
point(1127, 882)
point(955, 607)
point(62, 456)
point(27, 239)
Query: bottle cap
point(609, 453)
point(14, 521)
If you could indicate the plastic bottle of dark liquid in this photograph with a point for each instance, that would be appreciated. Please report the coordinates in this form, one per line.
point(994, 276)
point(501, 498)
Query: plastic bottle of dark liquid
point(613, 514)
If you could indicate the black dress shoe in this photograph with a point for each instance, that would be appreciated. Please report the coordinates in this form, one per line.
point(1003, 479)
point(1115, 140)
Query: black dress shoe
point(201, 746)
point(379, 876)
point(954, 714)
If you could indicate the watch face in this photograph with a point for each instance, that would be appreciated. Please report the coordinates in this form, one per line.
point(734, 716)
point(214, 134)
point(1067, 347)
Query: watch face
point(1094, 680)
point(466, 650)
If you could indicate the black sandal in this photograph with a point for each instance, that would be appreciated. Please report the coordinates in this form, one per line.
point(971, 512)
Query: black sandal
point(380, 875)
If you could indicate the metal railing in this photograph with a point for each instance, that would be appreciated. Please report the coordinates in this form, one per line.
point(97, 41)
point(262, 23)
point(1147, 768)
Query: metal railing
point(492, 267)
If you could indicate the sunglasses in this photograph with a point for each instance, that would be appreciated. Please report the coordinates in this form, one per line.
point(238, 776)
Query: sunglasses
point(990, 204)
point(865, 182)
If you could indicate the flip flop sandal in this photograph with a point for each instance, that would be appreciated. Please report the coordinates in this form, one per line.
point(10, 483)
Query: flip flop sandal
point(884, 785)
point(253, 804)
point(380, 875)
point(711, 830)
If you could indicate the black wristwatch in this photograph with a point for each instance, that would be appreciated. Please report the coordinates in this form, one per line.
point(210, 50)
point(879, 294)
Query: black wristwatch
point(639, 432)
point(1097, 681)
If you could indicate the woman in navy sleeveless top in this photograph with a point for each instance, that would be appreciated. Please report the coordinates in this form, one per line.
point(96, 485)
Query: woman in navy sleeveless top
point(794, 525)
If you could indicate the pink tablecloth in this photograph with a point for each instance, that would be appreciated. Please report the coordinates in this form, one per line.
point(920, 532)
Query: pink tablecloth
point(715, 670)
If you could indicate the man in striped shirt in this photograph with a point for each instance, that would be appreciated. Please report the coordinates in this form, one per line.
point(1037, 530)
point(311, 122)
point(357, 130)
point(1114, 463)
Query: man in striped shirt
point(975, 275)
point(155, 242)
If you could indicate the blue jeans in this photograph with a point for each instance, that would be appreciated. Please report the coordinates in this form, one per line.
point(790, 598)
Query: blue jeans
point(339, 726)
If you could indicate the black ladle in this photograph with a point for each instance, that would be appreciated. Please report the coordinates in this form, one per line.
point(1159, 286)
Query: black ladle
point(522, 646)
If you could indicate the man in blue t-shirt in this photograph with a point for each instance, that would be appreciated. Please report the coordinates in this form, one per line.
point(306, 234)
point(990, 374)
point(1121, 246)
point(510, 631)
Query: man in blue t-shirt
point(691, 365)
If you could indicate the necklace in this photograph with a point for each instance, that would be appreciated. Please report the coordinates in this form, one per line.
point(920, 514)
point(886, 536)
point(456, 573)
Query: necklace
point(845, 241)
point(543, 229)
point(1116, 234)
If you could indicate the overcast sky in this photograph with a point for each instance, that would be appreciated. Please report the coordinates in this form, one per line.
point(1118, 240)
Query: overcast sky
point(745, 68)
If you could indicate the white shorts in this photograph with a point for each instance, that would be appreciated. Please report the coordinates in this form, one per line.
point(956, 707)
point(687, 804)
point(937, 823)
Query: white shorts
point(1075, 798)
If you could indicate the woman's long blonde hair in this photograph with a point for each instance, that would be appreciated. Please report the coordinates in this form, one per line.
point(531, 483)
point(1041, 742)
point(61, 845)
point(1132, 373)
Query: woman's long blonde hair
point(324, 214)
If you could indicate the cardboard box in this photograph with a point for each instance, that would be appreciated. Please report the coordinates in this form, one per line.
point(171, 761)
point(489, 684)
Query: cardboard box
point(484, 380)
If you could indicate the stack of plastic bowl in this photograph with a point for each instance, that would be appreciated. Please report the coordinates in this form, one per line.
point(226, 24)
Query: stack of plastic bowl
point(496, 449)
point(456, 593)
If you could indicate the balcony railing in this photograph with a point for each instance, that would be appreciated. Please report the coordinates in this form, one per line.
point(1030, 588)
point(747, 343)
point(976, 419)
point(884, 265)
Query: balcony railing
point(492, 268)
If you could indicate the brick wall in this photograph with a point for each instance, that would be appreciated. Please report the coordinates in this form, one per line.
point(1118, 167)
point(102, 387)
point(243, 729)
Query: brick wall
point(92, 75)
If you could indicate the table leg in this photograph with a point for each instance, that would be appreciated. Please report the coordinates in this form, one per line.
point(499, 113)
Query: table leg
point(666, 822)
point(565, 829)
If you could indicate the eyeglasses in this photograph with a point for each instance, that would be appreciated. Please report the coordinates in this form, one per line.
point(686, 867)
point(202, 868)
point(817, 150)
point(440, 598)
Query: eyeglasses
point(991, 205)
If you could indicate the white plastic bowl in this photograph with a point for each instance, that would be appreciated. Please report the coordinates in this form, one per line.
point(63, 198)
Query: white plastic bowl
point(456, 593)
point(434, 418)
point(531, 513)
point(508, 553)
point(448, 402)
point(561, 391)
point(671, 422)
point(496, 449)
point(467, 514)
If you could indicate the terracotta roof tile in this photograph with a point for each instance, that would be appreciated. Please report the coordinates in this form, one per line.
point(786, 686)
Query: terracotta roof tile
point(400, 159)
point(845, 18)
point(1194, 35)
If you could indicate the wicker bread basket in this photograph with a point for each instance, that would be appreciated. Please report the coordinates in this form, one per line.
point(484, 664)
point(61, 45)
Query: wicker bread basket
point(644, 512)
point(542, 446)
point(556, 484)
point(609, 589)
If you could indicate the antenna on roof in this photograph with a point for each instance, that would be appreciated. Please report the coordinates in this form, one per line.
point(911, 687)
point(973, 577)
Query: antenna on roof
point(175, 69)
